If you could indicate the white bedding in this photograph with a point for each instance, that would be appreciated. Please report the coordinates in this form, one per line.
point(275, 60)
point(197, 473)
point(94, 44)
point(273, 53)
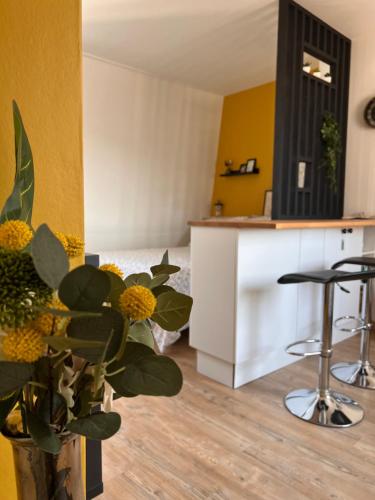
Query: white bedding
point(137, 261)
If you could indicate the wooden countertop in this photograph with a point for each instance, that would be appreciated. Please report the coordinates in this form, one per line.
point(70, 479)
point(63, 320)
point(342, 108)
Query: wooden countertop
point(232, 222)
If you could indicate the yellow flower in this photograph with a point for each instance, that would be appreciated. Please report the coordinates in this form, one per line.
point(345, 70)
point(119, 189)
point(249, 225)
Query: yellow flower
point(113, 268)
point(15, 235)
point(75, 246)
point(23, 345)
point(138, 302)
point(44, 322)
point(62, 238)
point(14, 422)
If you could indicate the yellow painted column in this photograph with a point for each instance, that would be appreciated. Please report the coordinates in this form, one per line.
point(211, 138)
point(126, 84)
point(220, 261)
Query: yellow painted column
point(40, 60)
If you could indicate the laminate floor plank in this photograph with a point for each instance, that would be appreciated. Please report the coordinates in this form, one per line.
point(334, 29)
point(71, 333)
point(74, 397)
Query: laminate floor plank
point(213, 442)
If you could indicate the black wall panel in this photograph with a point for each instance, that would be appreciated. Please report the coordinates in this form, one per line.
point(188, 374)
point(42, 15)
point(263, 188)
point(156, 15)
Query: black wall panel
point(301, 100)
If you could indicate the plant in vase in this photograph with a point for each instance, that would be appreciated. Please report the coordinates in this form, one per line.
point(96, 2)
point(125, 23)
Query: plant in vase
point(69, 340)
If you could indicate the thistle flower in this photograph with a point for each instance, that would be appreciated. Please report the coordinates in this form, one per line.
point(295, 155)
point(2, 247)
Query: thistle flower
point(23, 345)
point(15, 235)
point(21, 289)
point(112, 268)
point(138, 302)
point(75, 246)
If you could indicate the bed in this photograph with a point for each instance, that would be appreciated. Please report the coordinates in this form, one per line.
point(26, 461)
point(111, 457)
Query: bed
point(137, 261)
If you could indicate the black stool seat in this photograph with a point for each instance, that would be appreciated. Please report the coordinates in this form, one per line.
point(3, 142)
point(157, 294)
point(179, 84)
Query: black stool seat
point(325, 277)
point(359, 261)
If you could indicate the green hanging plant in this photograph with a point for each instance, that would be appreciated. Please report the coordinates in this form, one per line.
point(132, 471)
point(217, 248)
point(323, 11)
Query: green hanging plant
point(331, 137)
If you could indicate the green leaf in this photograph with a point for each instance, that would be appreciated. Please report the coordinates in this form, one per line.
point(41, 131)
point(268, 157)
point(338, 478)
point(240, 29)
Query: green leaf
point(19, 205)
point(164, 269)
point(162, 289)
point(42, 434)
point(14, 376)
point(52, 405)
point(98, 426)
point(6, 406)
point(158, 280)
point(66, 343)
point(172, 310)
point(109, 324)
point(143, 279)
point(117, 287)
point(49, 257)
point(68, 314)
point(140, 332)
point(150, 375)
point(165, 258)
point(85, 288)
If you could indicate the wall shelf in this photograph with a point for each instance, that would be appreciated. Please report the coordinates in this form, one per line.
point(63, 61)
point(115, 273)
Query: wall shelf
point(237, 173)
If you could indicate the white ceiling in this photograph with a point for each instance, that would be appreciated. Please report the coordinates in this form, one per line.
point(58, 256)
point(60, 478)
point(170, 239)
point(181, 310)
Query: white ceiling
point(222, 46)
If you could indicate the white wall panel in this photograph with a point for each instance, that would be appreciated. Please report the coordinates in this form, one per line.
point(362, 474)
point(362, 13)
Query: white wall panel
point(150, 148)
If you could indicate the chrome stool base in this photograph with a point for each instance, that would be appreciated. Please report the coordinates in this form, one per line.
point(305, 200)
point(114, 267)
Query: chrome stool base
point(331, 410)
point(356, 374)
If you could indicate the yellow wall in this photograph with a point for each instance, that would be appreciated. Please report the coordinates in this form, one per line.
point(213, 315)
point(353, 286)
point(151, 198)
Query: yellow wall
point(247, 131)
point(40, 61)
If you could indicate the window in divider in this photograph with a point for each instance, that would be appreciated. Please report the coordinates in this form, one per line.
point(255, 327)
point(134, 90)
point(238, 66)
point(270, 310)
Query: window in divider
point(316, 67)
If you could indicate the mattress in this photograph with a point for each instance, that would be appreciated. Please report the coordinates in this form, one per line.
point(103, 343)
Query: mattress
point(138, 261)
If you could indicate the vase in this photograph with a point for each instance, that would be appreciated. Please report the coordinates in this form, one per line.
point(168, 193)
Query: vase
point(43, 476)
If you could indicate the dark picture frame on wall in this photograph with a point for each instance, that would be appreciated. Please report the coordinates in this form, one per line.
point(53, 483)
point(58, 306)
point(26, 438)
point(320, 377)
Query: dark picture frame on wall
point(251, 165)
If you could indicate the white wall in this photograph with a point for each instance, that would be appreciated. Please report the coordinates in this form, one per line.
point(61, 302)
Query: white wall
point(149, 153)
point(360, 160)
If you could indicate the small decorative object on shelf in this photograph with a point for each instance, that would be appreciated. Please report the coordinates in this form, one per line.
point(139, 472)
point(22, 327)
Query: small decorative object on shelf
point(228, 164)
point(218, 208)
point(328, 77)
point(307, 67)
point(370, 113)
point(243, 168)
point(250, 165)
point(68, 340)
point(331, 137)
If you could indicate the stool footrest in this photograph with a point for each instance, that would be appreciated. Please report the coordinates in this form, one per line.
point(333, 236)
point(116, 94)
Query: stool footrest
point(350, 324)
point(290, 348)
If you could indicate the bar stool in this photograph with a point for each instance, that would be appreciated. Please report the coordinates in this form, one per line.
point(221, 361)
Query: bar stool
point(323, 406)
point(360, 373)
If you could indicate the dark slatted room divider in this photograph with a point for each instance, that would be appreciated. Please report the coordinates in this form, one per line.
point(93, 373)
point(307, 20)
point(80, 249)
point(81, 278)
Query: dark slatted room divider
point(301, 100)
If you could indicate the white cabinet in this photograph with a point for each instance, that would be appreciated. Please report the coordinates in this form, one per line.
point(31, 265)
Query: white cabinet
point(242, 319)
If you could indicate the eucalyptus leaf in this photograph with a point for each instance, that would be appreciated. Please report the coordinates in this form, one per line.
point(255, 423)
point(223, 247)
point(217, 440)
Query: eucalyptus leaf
point(73, 344)
point(49, 257)
point(42, 434)
point(19, 205)
point(140, 332)
point(6, 406)
point(162, 289)
point(69, 314)
point(158, 280)
point(110, 325)
point(85, 288)
point(51, 407)
point(14, 376)
point(117, 287)
point(165, 258)
point(172, 310)
point(98, 426)
point(143, 279)
point(150, 375)
point(164, 269)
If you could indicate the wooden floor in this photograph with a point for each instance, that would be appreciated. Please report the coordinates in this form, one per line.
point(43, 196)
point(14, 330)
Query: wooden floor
point(212, 442)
